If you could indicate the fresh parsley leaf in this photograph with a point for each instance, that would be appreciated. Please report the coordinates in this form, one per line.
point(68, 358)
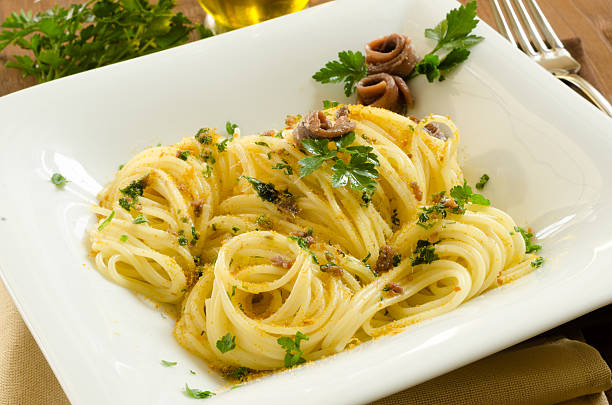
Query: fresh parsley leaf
point(350, 68)
point(106, 221)
point(529, 247)
point(463, 194)
point(58, 179)
point(182, 240)
point(140, 219)
point(261, 143)
point(293, 355)
point(359, 174)
point(538, 262)
point(482, 182)
point(168, 363)
point(196, 393)
point(424, 253)
point(230, 128)
point(125, 203)
point(123, 238)
point(226, 343)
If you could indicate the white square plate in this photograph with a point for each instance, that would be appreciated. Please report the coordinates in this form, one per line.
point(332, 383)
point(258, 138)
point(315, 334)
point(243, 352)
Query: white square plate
point(546, 150)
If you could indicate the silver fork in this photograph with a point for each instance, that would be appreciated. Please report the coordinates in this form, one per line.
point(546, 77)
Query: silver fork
point(550, 54)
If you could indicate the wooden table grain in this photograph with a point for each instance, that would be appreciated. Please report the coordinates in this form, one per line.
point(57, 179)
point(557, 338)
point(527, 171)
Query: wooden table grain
point(589, 20)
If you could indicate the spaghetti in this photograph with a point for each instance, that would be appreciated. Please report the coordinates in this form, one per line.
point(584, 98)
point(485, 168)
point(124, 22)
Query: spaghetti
point(254, 254)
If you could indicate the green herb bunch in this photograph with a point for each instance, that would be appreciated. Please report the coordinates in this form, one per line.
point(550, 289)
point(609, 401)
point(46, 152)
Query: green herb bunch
point(65, 41)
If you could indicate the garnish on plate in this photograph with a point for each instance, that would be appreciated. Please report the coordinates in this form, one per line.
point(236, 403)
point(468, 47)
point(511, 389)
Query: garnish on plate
point(381, 76)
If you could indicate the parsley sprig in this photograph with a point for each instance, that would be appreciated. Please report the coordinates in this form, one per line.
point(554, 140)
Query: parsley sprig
point(453, 36)
point(293, 355)
point(360, 172)
point(349, 68)
point(64, 41)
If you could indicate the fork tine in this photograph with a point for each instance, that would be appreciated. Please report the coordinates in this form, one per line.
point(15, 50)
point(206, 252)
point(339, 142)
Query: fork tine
point(523, 40)
point(502, 24)
point(531, 29)
point(544, 25)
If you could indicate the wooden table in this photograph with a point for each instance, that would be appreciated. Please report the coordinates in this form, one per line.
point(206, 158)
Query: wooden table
point(589, 20)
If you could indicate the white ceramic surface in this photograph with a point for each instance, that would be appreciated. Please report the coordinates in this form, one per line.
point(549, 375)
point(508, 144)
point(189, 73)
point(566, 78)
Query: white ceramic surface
point(547, 152)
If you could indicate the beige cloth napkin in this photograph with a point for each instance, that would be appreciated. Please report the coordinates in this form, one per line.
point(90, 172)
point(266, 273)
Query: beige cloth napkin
point(541, 373)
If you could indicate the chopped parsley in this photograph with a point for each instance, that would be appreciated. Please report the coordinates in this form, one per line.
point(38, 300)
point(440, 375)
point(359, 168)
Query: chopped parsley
point(264, 222)
point(394, 219)
point(230, 128)
point(123, 238)
point(424, 253)
point(529, 247)
point(194, 233)
point(397, 258)
point(207, 157)
point(183, 154)
point(192, 372)
point(233, 291)
point(206, 173)
point(203, 136)
point(131, 192)
point(293, 355)
point(538, 262)
point(239, 373)
point(168, 363)
point(288, 170)
point(262, 143)
point(304, 243)
point(330, 104)
point(197, 394)
point(226, 343)
point(140, 219)
point(223, 145)
point(349, 68)
point(266, 191)
point(106, 221)
point(482, 182)
point(235, 229)
point(58, 179)
point(182, 240)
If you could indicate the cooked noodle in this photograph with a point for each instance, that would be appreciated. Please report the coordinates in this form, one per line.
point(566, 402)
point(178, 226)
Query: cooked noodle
point(214, 247)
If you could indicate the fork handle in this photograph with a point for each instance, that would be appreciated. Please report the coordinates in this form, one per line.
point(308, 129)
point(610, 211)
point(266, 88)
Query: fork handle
point(594, 95)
